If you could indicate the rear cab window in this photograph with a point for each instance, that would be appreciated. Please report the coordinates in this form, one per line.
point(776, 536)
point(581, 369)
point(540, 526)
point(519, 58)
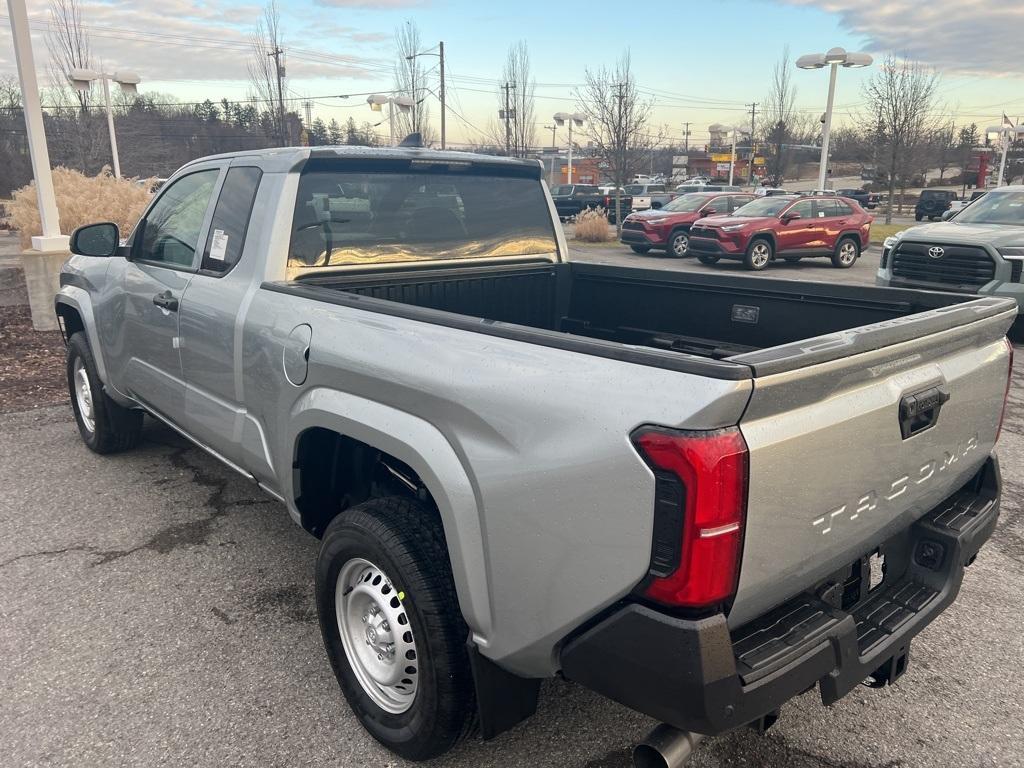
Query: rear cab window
point(231, 219)
point(366, 212)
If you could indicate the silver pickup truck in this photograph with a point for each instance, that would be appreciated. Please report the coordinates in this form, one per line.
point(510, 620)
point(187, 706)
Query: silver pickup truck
point(699, 495)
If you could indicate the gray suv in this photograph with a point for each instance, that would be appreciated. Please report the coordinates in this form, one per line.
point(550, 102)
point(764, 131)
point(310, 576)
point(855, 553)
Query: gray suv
point(979, 249)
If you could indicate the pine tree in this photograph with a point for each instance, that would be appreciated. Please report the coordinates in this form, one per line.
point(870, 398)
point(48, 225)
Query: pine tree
point(334, 132)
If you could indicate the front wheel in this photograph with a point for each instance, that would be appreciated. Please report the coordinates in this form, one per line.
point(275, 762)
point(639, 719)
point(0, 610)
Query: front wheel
point(392, 628)
point(758, 254)
point(846, 253)
point(679, 243)
point(105, 426)
point(641, 249)
point(918, 217)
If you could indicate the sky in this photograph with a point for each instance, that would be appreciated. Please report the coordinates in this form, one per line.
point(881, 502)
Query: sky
point(698, 62)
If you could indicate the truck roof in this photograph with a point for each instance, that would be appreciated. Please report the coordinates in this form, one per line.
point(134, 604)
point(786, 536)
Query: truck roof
point(283, 159)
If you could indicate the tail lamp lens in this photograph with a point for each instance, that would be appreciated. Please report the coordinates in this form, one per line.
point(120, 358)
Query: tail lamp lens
point(712, 468)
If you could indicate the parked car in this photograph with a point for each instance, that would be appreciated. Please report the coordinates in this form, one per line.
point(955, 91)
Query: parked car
point(933, 203)
point(669, 228)
point(791, 228)
point(865, 199)
point(958, 205)
point(520, 466)
point(686, 189)
point(771, 191)
point(978, 250)
point(647, 196)
point(572, 199)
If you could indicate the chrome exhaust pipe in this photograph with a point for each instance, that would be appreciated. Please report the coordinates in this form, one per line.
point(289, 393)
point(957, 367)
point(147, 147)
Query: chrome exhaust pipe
point(666, 747)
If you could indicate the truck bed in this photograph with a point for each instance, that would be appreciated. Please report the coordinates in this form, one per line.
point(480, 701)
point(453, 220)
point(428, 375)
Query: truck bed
point(669, 314)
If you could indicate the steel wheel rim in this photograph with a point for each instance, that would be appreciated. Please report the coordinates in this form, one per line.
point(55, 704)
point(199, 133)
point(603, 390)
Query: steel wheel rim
point(759, 255)
point(83, 396)
point(847, 253)
point(376, 635)
point(679, 244)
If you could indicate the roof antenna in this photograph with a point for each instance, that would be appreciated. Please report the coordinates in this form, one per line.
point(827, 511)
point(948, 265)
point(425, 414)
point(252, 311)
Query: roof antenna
point(412, 140)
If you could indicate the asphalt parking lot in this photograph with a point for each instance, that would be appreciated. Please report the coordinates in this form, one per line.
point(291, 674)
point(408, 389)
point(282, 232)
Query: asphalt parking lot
point(156, 609)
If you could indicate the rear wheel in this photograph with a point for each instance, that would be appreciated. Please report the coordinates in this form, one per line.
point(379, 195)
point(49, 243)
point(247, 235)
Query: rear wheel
point(758, 254)
point(392, 627)
point(707, 258)
point(846, 253)
point(640, 248)
point(918, 216)
point(679, 243)
point(104, 425)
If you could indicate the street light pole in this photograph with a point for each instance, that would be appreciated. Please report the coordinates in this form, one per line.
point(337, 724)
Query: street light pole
point(82, 79)
point(833, 58)
point(441, 54)
point(110, 128)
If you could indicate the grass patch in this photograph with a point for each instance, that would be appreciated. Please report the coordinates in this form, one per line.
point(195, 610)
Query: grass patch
point(881, 231)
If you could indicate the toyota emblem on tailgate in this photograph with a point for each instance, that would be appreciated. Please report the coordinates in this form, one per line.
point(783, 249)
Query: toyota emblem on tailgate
point(936, 252)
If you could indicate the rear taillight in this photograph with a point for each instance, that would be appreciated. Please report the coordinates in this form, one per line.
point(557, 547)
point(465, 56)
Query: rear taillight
point(1006, 394)
point(710, 511)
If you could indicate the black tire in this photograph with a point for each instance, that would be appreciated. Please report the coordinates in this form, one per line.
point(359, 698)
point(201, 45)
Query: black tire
point(1016, 332)
point(759, 254)
point(918, 216)
point(678, 243)
point(641, 249)
point(846, 253)
point(113, 428)
point(707, 258)
point(404, 539)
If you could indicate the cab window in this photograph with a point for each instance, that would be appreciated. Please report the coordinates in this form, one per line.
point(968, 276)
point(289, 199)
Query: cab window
point(231, 219)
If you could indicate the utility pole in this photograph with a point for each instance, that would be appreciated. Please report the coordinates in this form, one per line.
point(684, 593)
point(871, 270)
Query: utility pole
point(441, 48)
point(686, 139)
point(753, 113)
point(307, 105)
point(276, 54)
point(507, 87)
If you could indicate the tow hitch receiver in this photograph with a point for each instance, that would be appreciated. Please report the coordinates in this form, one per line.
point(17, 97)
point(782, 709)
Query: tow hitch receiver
point(891, 671)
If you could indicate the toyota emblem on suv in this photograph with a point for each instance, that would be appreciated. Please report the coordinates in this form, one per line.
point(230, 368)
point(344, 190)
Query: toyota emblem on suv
point(936, 252)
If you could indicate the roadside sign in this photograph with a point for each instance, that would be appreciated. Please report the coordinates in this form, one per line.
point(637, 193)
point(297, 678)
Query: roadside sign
point(680, 161)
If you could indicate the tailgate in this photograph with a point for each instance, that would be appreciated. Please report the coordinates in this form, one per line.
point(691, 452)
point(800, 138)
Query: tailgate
point(845, 452)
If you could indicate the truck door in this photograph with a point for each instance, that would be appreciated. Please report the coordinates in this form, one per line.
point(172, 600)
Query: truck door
point(163, 260)
point(210, 322)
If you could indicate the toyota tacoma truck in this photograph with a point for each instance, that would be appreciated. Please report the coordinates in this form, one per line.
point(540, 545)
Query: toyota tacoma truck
point(698, 495)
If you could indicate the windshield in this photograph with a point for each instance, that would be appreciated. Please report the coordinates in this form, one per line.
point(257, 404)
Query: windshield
point(378, 217)
point(562, 189)
point(687, 203)
point(766, 206)
point(995, 208)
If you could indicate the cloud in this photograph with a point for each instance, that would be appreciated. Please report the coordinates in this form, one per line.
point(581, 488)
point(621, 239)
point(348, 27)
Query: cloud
point(185, 40)
point(957, 37)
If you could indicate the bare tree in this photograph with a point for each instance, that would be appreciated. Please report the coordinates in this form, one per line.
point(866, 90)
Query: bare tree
point(944, 150)
point(68, 43)
point(779, 118)
point(262, 65)
point(411, 81)
point(521, 131)
point(901, 95)
point(616, 121)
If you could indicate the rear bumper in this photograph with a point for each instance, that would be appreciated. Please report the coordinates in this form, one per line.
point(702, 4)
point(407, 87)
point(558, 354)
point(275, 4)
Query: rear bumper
point(697, 675)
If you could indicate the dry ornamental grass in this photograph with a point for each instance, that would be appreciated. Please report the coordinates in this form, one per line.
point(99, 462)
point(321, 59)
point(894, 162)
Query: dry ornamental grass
point(592, 226)
point(81, 200)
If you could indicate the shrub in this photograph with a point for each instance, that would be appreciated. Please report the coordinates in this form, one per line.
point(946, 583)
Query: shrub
point(81, 200)
point(592, 226)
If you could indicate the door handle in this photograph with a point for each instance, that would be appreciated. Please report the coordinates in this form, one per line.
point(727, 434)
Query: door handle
point(166, 301)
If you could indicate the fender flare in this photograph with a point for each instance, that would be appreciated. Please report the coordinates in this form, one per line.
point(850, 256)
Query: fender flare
point(427, 451)
point(78, 299)
point(855, 234)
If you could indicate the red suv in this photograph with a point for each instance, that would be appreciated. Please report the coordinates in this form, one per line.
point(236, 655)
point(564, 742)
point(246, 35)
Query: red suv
point(789, 227)
point(668, 227)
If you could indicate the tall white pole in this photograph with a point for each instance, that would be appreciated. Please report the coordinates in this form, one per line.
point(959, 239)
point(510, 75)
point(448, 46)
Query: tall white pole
point(391, 121)
point(51, 239)
point(569, 180)
point(827, 128)
point(110, 126)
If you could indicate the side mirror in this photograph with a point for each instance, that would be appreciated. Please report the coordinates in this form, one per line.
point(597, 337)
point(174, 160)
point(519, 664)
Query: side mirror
point(790, 216)
point(99, 240)
point(709, 211)
point(948, 214)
